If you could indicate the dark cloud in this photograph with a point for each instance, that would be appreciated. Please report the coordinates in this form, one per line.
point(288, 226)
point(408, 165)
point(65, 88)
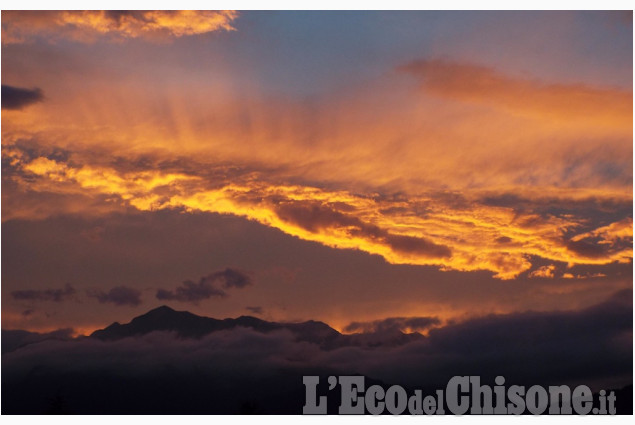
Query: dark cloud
point(192, 292)
point(588, 249)
point(314, 217)
point(254, 309)
point(57, 295)
point(600, 210)
point(119, 295)
point(393, 324)
point(503, 240)
point(207, 286)
point(231, 278)
point(591, 346)
point(17, 97)
point(420, 246)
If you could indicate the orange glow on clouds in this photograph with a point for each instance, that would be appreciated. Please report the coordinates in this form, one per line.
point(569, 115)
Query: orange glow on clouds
point(476, 237)
point(451, 175)
point(561, 102)
point(87, 25)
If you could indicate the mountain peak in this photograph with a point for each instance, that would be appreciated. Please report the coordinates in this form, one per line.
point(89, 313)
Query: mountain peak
point(162, 310)
point(162, 318)
point(162, 313)
point(188, 325)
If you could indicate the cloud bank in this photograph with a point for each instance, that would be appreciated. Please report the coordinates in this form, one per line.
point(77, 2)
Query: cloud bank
point(591, 346)
point(455, 232)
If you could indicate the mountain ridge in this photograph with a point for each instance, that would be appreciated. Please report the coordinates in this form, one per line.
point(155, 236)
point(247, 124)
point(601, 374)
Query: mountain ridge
point(190, 325)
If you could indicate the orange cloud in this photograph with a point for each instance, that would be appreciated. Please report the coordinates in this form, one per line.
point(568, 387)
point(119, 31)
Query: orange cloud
point(544, 271)
point(468, 237)
point(622, 229)
point(480, 177)
point(555, 101)
point(88, 25)
point(393, 140)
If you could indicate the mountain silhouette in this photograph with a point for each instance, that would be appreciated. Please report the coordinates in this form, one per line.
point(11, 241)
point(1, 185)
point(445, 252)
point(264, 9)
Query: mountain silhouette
point(189, 325)
point(191, 371)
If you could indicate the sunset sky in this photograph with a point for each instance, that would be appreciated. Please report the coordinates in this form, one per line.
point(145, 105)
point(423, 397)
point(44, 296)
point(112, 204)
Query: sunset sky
point(336, 166)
